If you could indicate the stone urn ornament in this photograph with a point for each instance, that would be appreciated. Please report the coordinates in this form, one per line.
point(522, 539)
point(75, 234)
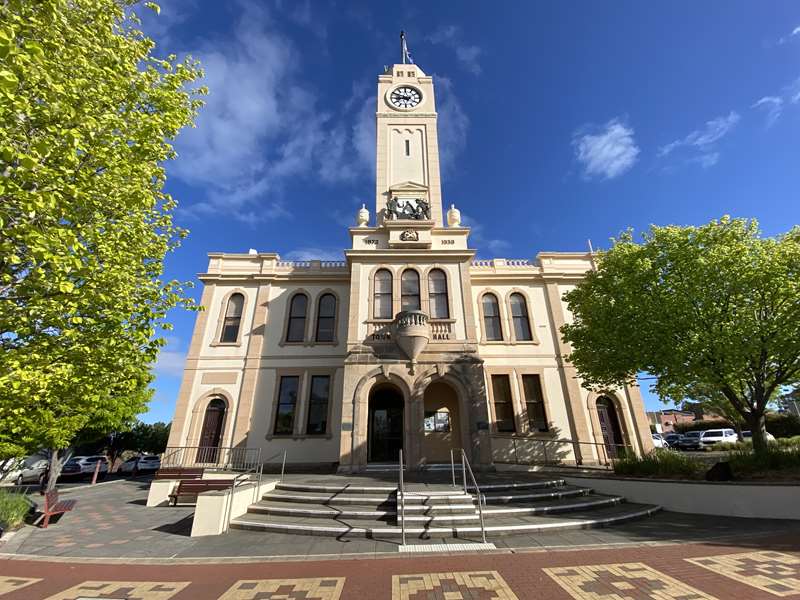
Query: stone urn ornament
point(412, 332)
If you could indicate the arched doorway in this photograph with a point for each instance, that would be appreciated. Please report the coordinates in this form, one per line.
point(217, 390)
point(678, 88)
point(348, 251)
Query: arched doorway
point(385, 425)
point(610, 427)
point(211, 434)
point(442, 425)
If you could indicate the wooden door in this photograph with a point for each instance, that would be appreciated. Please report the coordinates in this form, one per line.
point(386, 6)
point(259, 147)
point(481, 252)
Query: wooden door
point(211, 434)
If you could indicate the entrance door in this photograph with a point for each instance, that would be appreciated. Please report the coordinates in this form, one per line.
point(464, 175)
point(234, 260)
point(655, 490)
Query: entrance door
point(211, 435)
point(385, 424)
point(609, 426)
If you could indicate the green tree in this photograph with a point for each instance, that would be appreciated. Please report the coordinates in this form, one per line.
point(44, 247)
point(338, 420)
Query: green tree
point(714, 308)
point(87, 119)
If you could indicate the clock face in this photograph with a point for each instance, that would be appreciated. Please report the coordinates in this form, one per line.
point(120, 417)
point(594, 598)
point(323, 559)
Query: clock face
point(405, 97)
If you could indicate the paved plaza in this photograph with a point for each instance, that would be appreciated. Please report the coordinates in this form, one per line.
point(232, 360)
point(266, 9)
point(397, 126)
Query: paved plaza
point(113, 547)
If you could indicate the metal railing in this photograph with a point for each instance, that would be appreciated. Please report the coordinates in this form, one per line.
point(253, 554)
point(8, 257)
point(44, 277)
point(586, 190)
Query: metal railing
point(557, 452)
point(236, 458)
point(466, 468)
point(237, 481)
point(401, 500)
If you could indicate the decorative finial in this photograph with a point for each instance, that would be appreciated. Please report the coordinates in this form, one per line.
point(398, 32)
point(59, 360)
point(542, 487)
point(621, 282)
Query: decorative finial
point(454, 216)
point(362, 218)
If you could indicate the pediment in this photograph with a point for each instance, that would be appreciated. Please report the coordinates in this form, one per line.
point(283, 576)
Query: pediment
point(408, 186)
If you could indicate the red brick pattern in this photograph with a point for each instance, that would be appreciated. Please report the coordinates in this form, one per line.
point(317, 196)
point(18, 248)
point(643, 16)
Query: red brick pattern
point(630, 572)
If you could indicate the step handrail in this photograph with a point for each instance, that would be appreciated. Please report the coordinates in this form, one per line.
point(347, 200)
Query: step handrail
point(401, 500)
point(465, 466)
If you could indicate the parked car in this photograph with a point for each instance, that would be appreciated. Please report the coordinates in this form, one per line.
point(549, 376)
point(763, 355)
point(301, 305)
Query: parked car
point(139, 464)
point(672, 439)
point(78, 466)
point(31, 473)
point(659, 441)
point(703, 440)
point(747, 436)
point(690, 440)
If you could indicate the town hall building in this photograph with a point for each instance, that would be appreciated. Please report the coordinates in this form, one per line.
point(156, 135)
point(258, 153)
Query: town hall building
point(410, 343)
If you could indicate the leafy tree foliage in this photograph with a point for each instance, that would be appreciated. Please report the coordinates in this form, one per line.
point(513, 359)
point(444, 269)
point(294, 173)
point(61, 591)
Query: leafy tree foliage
point(87, 117)
point(714, 308)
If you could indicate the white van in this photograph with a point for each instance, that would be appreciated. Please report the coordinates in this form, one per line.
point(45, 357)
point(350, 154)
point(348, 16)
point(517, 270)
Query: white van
point(715, 436)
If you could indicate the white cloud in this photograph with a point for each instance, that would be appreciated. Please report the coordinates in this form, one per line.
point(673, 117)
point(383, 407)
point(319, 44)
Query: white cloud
point(608, 152)
point(467, 54)
point(171, 359)
point(785, 39)
point(311, 253)
point(701, 143)
point(262, 125)
point(772, 105)
point(453, 124)
point(479, 239)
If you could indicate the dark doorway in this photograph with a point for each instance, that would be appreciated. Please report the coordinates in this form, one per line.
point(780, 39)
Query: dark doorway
point(609, 426)
point(211, 434)
point(385, 429)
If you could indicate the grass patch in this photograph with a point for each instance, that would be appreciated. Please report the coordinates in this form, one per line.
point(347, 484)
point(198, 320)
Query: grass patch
point(660, 463)
point(13, 509)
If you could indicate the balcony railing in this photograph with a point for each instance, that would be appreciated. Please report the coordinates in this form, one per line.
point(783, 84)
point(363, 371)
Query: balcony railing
point(213, 457)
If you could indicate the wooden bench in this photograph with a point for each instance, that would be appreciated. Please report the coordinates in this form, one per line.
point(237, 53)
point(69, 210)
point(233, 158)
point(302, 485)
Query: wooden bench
point(179, 473)
point(54, 506)
point(192, 487)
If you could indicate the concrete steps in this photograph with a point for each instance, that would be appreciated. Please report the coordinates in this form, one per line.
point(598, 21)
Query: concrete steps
point(361, 508)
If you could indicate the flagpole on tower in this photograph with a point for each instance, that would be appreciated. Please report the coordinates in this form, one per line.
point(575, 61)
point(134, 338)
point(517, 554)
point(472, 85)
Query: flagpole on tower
point(403, 50)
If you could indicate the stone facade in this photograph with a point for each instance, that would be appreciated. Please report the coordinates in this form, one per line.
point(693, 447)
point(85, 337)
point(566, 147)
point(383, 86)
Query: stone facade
point(410, 342)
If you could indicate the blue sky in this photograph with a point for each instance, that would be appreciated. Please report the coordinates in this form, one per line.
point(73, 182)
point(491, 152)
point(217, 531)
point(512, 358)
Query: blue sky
point(559, 122)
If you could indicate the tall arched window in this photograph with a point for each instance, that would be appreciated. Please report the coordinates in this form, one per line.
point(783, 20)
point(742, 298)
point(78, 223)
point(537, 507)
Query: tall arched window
point(326, 317)
point(233, 319)
point(437, 290)
point(409, 290)
point(519, 315)
point(296, 330)
point(491, 318)
point(382, 308)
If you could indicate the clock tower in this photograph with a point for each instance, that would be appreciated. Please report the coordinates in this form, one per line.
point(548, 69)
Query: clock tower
point(407, 158)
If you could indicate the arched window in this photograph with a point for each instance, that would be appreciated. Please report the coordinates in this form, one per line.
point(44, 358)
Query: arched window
point(519, 315)
point(491, 318)
point(437, 289)
point(383, 295)
point(409, 290)
point(233, 319)
point(296, 330)
point(326, 317)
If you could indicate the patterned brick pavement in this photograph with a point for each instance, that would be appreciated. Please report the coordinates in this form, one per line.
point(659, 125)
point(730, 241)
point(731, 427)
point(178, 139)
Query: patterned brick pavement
point(480, 585)
point(754, 570)
point(773, 572)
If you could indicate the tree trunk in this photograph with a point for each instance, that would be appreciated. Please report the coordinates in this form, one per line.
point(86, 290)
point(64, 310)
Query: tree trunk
point(53, 471)
point(758, 427)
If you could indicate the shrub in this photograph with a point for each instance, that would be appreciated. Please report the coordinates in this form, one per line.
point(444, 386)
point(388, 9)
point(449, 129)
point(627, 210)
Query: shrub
point(660, 463)
point(724, 446)
point(789, 442)
point(775, 462)
point(13, 508)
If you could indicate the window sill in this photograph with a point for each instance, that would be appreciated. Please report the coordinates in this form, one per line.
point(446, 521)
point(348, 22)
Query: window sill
point(308, 344)
point(291, 436)
point(226, 344)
